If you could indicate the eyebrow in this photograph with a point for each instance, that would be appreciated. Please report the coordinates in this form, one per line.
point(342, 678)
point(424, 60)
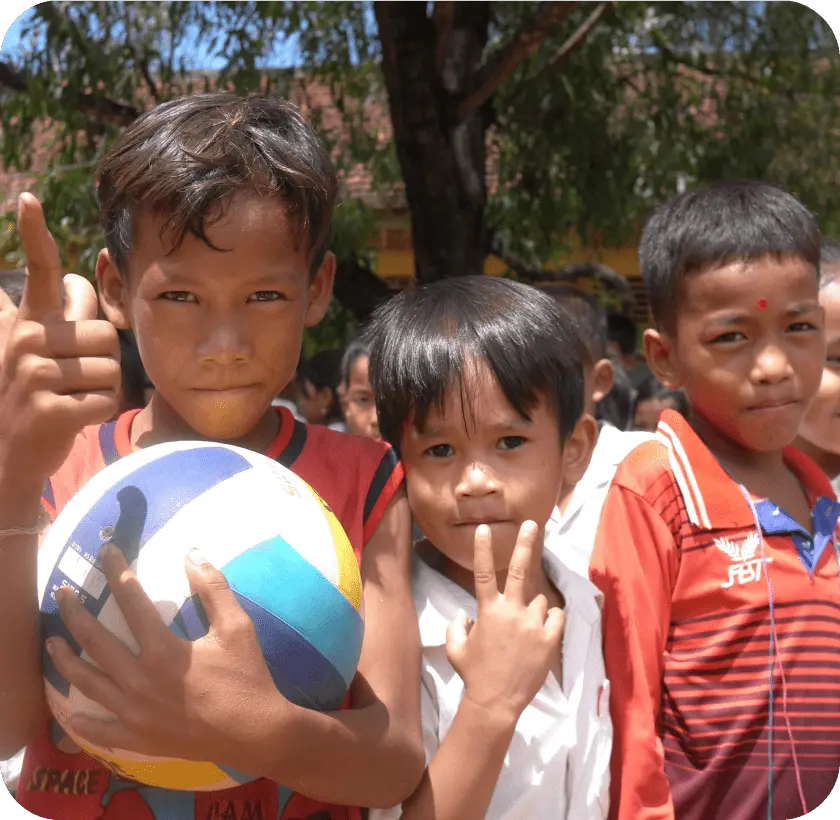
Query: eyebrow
point(794, 310)
point(501, 427)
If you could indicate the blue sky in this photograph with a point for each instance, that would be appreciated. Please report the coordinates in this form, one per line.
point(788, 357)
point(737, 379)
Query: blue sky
point(285, 55)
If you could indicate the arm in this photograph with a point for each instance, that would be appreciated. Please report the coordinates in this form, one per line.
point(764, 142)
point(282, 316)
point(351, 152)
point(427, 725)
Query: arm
point(179, 698)
point(503, 659)
point(634, 566)
point(461, 777)
point(22, 704)
point(381, 733)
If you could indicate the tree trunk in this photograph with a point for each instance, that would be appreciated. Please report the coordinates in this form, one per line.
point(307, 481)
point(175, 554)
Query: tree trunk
point(428, 70)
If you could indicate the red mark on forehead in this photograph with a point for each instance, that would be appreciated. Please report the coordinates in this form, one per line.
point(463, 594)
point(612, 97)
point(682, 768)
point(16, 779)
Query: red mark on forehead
point(761, 304)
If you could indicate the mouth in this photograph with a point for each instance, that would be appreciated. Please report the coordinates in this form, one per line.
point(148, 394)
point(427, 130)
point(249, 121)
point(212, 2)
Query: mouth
point(233, 390)
point(477, 522)
point(773, 406)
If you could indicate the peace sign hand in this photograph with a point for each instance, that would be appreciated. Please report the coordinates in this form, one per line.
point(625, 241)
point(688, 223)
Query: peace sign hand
point(61, 368)
point(504, 657)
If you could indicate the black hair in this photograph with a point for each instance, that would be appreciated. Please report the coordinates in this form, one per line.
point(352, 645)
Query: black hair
point(422, 342)
point(587, 312)
point(186, 159)
point(652, 388)
point(829, 261)
point(616, 408)
point(324, 370)
point(623, 331)
point(355, 350)
point(713, 226)
point(135, 381)
point(13, 283)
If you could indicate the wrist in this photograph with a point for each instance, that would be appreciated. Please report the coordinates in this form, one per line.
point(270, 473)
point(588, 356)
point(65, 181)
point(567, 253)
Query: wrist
point(274, 740)
point(499, 716)
point(20, 502)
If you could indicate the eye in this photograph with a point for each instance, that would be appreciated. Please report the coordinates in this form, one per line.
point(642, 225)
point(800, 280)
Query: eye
point(729, 338)
point(440, 451)
point(511, 442)
point(801, 327)
point(267, 296)
point(178, 296)
point(832, 361)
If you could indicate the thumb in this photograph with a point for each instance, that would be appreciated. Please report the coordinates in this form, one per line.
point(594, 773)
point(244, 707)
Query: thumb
point(456, 639)
point(214, 592)
point(81, 300)
point(555, 623)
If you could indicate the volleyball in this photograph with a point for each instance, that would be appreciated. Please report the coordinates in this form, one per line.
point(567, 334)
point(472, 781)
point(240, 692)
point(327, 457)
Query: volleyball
point(283, 552)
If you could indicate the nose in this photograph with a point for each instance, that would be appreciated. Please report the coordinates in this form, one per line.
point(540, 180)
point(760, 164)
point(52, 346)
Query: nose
point(771, 365)
point(224, 342)
point(476, 481)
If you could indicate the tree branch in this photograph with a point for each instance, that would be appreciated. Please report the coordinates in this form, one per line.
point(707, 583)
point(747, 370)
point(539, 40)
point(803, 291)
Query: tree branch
point(11, 77)
point(99, 109)
point(358, 288)
point(583, 31)
point(141, 65)
point(607, 276)
point(502, 65)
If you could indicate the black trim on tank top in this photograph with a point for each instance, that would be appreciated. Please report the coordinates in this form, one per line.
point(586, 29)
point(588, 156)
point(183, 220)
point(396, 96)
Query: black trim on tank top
point(380, 478)
point(294, 448)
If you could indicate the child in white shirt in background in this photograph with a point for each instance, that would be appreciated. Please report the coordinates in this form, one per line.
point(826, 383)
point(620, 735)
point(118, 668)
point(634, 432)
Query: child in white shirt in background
point(570, 531)
point(479, 385)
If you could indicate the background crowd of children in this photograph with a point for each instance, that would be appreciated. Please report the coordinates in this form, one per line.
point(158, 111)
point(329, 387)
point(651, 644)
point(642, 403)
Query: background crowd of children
point(591, 620)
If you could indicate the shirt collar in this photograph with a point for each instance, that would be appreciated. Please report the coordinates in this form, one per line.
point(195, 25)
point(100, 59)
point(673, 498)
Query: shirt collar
point(438, 600)
point(712, 499)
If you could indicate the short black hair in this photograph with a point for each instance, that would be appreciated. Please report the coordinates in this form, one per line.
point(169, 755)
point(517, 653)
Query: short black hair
point(829, 261)
point(623, 331)
point(324, 370)
point(713, 226)
point(589, 314)
point(13, 283)
point(652, 388)
point(355, 350)
point(422, 341)
point(186, 159)
point(616, 408)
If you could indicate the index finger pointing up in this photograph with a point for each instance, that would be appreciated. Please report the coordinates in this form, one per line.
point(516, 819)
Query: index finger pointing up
point(43, 288)
point(484, 569)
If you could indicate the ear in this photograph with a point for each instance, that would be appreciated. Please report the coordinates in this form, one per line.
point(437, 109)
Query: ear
point(578, 450)
point(603, 377)
point(320, 291)
point(113, 291)
point(342, 398)
point(659, 352)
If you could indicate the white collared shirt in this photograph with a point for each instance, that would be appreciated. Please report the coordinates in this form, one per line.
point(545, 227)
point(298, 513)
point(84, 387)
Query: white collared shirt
point(570, 535)
point(557, 765)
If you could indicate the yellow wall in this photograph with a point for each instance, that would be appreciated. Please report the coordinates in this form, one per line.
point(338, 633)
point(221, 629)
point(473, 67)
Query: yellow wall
point(399, 264)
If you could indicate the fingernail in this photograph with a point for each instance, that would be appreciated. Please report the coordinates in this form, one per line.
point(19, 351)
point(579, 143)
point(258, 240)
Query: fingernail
point(50, 646)
point(196, 557)
point(106, 551)
point(62, 595)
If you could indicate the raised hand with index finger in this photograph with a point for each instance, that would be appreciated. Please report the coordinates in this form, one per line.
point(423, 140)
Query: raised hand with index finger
point(504, 657)
point(61, 367)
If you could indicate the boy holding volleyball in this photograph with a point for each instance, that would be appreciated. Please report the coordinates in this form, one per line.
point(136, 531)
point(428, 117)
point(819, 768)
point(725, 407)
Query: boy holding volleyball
point(216, 211)
point(479, 385)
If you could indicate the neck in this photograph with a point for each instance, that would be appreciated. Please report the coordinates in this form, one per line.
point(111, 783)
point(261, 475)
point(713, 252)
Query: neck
point(158, 423)
point(743, 464)
point(828, 462)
